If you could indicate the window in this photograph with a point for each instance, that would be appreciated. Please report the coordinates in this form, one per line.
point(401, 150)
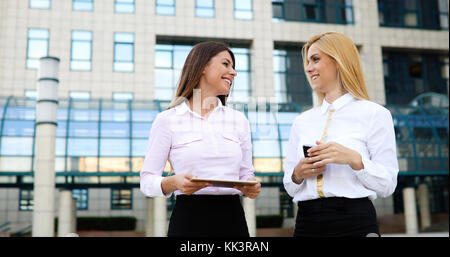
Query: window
point(324, 11)
point(241, 88)
point(423, 14)
point(37, 46)
point(277, 10)
point(31, 93)
point(169, 60)
point(443, 13)
point(122, 96)
point(165, 7)
point(121, 199)
point(408, 75)
point(243, 9)
point(81, 54)
point(82, 198)
point(80, 95)
point(204, 8)
point(83, 5)
point(290, 81)
point(40, 4)
point(124, 6)
point(26, 202)
point(124, 52)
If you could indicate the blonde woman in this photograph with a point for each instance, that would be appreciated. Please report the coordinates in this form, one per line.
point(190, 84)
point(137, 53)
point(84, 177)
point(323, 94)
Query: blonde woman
point(352, 157)
point(203, 138)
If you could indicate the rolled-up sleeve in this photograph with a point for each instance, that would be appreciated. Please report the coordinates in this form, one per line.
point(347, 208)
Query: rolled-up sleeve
point(291, 161)
point(381, 169)
point(156, 157)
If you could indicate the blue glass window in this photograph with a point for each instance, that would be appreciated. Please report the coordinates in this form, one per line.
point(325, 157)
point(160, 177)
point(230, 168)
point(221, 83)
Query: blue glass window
point(115, 129)
point(409, 75)
point(40, 4)
point(165, 7)
point(141, 129)
point(241, 89)
point(18, 128)
point(82, 197)
point(115, 115)
point(83, 5)
point(82, 147)
point(169, 60)
point(139, 147)
point(27, 113)
point(243, 9)
point(20, 146)
point(37, 46)
point(423, 14)
point(81, 54)
point(144, 115)
point(114, 147)
point(122, 96)
point(204, 8)
point(124, 6)
point(325, 11)
point(83, 129)
point(124, 52)
point(290, 81)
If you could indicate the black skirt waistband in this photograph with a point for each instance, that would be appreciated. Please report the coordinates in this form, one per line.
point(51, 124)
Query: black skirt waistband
point(331, 202)
point(207, 198)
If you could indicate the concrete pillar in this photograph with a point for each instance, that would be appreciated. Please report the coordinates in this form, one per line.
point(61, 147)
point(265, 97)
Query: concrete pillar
point(66, 214)
point(149, 218)
point(250, 214)
point(44, 162)
point(73, 224)
point(424, 205)
point(409, 204)
point(160, 216)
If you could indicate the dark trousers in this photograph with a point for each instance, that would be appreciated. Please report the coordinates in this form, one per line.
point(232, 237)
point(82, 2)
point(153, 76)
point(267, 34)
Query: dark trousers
point(208, 216)
point(336, 216)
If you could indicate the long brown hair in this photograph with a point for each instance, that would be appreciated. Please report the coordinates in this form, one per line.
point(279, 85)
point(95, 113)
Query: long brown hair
point(345, 54)
point(194, 65)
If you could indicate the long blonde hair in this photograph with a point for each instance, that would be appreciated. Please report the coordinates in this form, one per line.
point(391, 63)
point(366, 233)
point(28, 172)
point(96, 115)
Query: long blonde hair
point(344, 53)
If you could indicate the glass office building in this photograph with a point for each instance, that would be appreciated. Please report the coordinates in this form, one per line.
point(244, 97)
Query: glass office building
point(120, 62)
point(102, 143)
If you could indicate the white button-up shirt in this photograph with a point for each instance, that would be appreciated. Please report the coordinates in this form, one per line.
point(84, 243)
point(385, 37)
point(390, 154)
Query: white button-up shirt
point(360, 125)
point(217, 147)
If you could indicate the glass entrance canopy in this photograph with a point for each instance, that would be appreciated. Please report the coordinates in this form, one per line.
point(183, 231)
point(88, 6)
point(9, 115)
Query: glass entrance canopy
point(103, 142)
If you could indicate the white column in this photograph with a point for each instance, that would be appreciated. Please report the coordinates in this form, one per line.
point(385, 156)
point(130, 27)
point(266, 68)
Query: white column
point(409, 204)
point(65, 219)
point(160, 216)
point(250, 215)
point(44, 163)
point(73, 225)
point(149, 218)
point(424, 205)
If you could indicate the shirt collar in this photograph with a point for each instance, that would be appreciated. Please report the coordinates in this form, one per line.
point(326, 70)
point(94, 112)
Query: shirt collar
point(183, 107)
point(337, 104)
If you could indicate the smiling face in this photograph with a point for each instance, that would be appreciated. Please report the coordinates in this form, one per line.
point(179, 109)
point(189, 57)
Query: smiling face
point(321, 70)
point(218, 75)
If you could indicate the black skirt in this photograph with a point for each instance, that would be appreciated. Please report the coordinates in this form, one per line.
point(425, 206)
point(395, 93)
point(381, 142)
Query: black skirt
point(208, 216)
point(336, 216)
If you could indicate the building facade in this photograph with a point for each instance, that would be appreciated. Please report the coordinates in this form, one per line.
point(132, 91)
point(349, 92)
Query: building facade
point(121, 59)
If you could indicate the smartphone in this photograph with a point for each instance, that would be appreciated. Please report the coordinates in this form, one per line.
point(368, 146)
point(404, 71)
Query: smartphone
point(305, 149)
